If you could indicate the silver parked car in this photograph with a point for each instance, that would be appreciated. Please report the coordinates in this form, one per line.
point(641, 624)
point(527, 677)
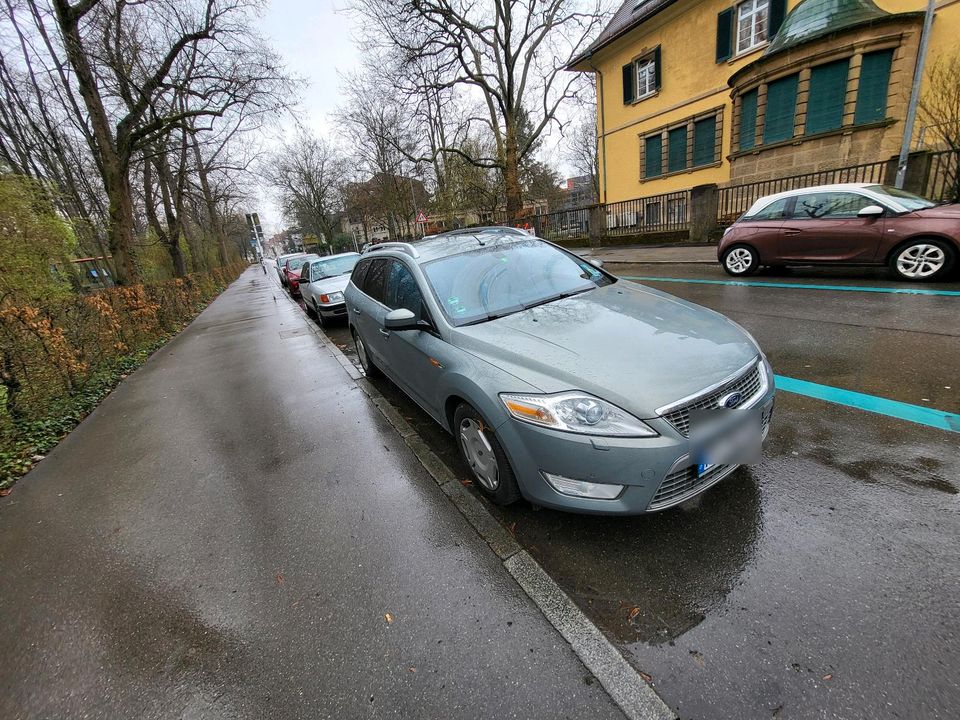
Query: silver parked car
point(322, 283)
point(561, 383)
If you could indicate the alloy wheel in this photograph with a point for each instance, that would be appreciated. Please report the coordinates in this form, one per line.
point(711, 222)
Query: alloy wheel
point(739, 260)
point(479, 454)
point(921, 261)
point(362, 353)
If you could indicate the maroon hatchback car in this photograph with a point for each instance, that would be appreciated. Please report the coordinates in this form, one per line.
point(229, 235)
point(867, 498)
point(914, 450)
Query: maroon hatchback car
point(851, 224)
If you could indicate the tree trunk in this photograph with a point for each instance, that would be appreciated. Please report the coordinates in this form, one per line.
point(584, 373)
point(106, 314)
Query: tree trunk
point(120, 226)
point(511, 173)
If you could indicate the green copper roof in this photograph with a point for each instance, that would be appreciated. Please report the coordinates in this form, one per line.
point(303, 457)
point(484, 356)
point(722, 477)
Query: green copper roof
point(813, 18)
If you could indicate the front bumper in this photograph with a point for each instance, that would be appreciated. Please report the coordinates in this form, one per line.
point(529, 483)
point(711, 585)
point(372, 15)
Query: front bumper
point(642, 465)
point(333, 310)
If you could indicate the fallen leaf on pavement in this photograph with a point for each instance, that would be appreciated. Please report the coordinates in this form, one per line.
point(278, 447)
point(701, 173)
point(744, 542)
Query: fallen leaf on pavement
point(647, 678)
point(634, 611)
point(5, 492)
point(828, 676)
point(466, 482)
point(279, 578)
point(388, 617)
point(412, 669)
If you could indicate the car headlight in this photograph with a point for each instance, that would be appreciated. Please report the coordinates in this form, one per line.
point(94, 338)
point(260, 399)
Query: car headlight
point(575, 412)
point(335, 297)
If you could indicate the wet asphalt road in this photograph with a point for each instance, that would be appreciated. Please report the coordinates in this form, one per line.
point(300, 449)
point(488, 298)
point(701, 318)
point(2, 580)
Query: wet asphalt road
point(822, 583)
point(236, 532)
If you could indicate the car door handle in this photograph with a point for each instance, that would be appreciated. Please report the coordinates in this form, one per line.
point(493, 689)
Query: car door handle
point(357, 310)
point(385, 333)
point(791, 231)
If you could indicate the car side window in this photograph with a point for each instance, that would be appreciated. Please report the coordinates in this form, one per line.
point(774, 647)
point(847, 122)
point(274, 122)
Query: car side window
point(777, 210)
point(402, 290)
point(305, 272)
point(830, 205)
point(375, 279)
point(359, 273)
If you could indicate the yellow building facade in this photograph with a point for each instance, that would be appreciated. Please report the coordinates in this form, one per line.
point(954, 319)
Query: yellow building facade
point(694, 92)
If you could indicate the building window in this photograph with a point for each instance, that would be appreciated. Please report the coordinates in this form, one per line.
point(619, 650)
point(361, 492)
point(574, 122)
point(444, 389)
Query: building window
point(827, 95)
point(653, 156)
point(641, 78)
point(781, 109)
point(646, 78)
point(677, 149)
point(705, 141)
point(691, 143)
point(748, 120)
point(752, 18)
point(872, 92)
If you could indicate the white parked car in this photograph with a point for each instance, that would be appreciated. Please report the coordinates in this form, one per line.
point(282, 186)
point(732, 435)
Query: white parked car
point(322, 283)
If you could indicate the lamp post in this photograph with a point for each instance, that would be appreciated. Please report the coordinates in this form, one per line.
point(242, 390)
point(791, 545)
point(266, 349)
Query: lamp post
point(915, 94)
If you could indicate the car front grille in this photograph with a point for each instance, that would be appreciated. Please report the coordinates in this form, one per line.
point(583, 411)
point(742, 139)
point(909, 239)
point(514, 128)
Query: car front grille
point(683, 484)
point(748, 385)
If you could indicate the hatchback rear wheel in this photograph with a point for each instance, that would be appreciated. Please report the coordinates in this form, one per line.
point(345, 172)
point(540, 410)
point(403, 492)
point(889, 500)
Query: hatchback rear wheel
point(741, 260)
point(922, 259)
point(484, 456)
point(366, 363)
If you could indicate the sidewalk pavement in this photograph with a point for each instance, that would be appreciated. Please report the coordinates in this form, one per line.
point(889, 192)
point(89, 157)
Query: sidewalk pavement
point(237, 532)
point(654, 254)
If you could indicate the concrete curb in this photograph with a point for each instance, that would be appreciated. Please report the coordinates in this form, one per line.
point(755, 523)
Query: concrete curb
point(623, 684)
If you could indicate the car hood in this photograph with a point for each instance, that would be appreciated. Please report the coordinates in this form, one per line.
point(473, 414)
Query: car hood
point(331, 285)
point(636, 347)
point(940, 211)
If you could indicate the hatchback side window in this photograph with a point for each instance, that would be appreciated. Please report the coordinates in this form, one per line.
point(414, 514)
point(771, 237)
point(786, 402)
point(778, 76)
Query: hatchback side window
point(359, 273)
point(375, 279)
point(777, 210)
point(830, 205)
point(402, 290)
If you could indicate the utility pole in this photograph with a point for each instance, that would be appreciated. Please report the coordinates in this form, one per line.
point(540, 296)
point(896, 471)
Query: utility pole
point(915, 94)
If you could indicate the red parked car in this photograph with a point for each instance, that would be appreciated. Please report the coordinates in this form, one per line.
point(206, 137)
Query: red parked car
point(851, 224)
point(291, 271)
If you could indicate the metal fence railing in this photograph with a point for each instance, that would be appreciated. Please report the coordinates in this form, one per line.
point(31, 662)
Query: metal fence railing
point(563, 225)
point(666, 212)
point(943, 180)
point(735, 200)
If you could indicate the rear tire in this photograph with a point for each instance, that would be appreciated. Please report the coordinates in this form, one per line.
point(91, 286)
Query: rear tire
point(922, 260)
point(369, 369)
point(484, 455)
point(740, 260)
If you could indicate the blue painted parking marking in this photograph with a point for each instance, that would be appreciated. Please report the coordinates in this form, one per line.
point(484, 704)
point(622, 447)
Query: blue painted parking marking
point(871, 403)
point(798, 286)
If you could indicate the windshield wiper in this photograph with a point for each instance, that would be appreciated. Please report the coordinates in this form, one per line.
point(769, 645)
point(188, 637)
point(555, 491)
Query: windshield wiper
point(558, 296)
point(513, 310)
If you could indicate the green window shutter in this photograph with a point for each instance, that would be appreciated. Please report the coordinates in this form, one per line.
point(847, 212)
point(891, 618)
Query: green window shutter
point(677, 149)
point(748, 120)
point(656, 67)
point(872, 93)
point(628, 84)
point(652, 156)
point(777, 12)
point(725, 35)
point(705, 141)
point(781, 108)
point(828, 91)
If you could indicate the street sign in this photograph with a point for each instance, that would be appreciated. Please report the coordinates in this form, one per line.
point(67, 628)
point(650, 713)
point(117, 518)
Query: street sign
point(421, 217)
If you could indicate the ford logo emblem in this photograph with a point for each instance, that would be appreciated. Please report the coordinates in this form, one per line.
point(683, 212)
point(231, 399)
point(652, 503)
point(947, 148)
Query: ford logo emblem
point(731, 400)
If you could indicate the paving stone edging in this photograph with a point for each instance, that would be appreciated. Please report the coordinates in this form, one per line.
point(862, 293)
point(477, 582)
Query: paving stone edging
point(632, 694)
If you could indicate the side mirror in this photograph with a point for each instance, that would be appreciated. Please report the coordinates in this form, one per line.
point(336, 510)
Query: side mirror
point(871, 211)
point(401, 319)
point(596, 262)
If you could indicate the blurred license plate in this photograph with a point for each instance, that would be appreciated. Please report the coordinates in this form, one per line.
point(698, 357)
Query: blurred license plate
point(704, 468)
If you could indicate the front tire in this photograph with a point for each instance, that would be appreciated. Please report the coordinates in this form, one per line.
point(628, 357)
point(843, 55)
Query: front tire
point(369, 369)
point(484, 455)
point(319, 315)
point(922, 260)
point(740, 260)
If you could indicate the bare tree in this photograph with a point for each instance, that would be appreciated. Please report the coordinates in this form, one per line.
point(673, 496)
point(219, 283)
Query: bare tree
point(511, 54)
point(309, 173)
point(939, 110)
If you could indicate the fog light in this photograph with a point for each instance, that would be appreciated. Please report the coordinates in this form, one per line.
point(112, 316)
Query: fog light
point(582, 488)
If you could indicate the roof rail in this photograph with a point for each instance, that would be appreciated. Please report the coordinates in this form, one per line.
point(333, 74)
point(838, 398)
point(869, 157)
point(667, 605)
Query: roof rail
point(401, 246)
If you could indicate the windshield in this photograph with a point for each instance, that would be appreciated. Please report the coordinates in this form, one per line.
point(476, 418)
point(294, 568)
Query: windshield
point(295, 263)
point(903, 198)
point(492, 282)
point(335, 266)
